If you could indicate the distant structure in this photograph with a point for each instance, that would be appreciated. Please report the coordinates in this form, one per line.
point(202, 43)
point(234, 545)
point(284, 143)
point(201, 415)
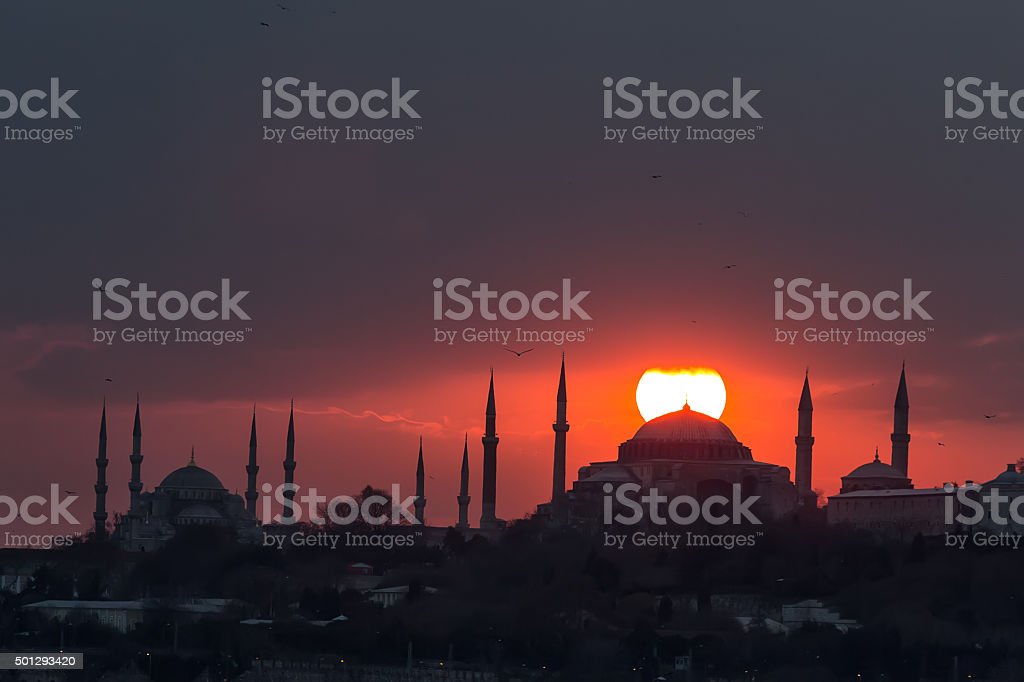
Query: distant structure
point(463, 498)
point(881, 498)
point(100, 515)
point(804, 445)
point(560, 427)
point(420, 505)
point(901, 427)
point(187, 496)
point(488, 517)
point(685, 453)
point(289, 468)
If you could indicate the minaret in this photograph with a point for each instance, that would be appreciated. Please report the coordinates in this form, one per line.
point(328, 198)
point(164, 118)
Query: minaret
point(252, 469)
point(490, 441)
point(804, 441)
point(100, 515)
point(561, 427)
point(463, 497)
point(135, 484)
point(288, 513)
point(901, 427)
point(421, 501)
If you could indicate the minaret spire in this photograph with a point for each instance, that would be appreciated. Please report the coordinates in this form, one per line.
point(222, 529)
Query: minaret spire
point(488, 518)
point(420, 504)
point(100, 515)
point(135, 484)
point(804, 441)
point(251, 470)
point(901, 426)
point(288, 513)
point(560, 427)
point(463, 497)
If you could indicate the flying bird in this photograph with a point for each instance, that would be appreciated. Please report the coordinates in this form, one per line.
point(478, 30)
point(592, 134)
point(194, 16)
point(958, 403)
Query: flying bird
point(942, 444)
point(518, 354)
point(70, 492)
point(109, 380)
point(264, 24)
point(991, 416)
point(728, 267)
point(655, 177)
point(282, 7)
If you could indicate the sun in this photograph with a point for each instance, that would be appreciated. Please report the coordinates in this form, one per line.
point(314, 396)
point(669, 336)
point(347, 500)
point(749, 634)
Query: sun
point(661, 391)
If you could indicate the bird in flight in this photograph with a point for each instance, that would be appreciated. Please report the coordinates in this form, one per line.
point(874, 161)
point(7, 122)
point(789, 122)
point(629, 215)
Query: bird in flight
point(517, 353)
point(283, 8)
point(264, 24)
point(109, 380)
point(942, 444)
point(991, 416)
point(655, 177)
point(728, 267)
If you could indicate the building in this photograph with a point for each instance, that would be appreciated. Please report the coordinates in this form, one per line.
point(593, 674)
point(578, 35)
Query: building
point(188, 496)
point(881, 498)
point(690, 453)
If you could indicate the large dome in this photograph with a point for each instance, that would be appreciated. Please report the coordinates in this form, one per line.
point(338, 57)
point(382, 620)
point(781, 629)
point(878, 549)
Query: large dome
point(684, 435)
point(686, 426)
point(191, 477)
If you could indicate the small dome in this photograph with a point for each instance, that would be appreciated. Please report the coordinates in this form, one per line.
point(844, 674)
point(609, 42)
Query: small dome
point(191, 477)
point(685, 426)
point(875, 469)
point(1008, 477)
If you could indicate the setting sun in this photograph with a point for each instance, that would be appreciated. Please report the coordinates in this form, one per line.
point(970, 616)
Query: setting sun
point(661, 391)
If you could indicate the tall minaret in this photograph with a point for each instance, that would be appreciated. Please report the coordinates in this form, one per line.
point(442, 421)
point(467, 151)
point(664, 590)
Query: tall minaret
point(100, 515)
point(561, 427)
point(804, 441)
point(135, 484)
point(421, 501)
point(252, 469)
point(463, 497)
point(490, 441)
point(289, 466)
point(901, 427)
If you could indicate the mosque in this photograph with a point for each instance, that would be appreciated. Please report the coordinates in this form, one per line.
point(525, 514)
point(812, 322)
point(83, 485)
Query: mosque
point(680, 453)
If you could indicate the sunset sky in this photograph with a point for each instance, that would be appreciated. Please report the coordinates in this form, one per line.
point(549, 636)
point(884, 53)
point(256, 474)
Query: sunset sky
point(510, 183)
